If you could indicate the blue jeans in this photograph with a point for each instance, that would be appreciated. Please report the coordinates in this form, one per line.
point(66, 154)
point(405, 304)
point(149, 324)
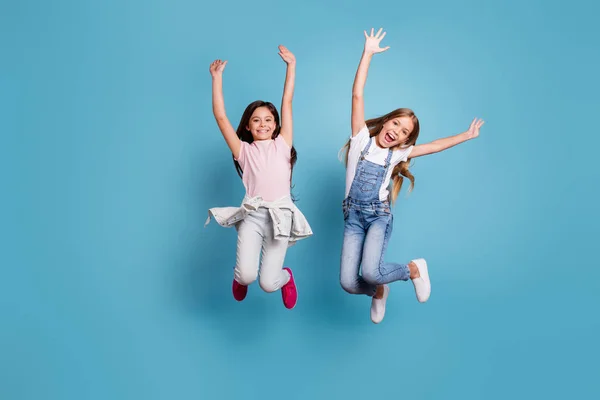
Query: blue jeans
point(367, 229)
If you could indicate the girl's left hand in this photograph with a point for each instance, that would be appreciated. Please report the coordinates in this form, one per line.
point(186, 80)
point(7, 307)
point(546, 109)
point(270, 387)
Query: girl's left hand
point(473, 131)
point(287, 55)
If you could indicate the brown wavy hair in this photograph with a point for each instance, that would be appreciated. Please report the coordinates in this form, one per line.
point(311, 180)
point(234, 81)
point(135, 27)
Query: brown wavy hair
point(246, 136)
point(401, 170)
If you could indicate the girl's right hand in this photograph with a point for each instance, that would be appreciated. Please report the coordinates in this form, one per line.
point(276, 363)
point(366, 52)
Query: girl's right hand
point(372, 42)
point(217, 67)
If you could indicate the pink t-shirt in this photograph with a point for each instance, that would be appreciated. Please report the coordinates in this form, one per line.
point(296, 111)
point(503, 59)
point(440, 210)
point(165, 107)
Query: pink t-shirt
point(266, 168)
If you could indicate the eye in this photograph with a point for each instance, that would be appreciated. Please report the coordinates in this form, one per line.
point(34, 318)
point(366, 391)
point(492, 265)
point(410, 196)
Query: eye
point(396, 123)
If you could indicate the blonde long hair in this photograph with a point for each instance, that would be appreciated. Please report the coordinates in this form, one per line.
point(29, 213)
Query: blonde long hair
point(401, 170)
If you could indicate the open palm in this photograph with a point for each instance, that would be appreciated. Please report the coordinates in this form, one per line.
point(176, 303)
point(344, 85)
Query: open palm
point(473, 131)
point(372, 42)
point(286, 55)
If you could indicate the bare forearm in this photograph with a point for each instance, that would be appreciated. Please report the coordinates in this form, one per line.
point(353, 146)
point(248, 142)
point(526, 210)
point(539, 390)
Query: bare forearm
point(361, 74)
point(288, 88)
point(218, 103)
point(286, 104)
point(448, 142)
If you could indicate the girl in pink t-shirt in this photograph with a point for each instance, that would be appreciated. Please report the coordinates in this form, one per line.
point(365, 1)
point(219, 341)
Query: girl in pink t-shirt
point(268, 221)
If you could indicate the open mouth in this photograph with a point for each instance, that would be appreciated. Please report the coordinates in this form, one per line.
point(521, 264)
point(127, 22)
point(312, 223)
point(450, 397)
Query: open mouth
point(262, 131)
point(390, 137)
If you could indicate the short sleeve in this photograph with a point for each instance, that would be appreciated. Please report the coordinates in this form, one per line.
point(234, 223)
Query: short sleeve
point(280, 141)
point(282, 147)
point(361, 135)
point(360, 139)
point(242, 156)
point(402, 154)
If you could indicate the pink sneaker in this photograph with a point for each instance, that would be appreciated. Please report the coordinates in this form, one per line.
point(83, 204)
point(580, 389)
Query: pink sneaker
point(239, 291)
point(289, 293)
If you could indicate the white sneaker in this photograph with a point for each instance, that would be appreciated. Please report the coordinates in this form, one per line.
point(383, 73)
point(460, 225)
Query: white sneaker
point(378, 306)
point(422, 284)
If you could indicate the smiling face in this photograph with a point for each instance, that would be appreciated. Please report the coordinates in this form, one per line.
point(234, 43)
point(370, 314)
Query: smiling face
point(262, 124)
point(395, 132)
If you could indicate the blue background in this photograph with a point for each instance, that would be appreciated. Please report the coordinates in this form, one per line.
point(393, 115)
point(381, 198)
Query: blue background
point(111, 288)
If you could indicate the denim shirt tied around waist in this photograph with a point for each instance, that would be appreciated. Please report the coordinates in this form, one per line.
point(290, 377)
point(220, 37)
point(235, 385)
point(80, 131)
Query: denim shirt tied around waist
point(288, 221)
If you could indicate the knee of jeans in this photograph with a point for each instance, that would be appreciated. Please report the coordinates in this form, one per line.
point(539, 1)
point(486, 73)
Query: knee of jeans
point(372, 275)
point(245, 277)
point(268, 284)
point(349, 285)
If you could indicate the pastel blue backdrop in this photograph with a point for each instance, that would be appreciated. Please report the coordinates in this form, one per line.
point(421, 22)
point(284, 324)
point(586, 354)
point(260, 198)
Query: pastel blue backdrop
point(111, 288)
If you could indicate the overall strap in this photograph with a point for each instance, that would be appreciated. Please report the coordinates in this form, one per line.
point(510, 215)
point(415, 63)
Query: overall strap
point(366, 149)
point(388, 159)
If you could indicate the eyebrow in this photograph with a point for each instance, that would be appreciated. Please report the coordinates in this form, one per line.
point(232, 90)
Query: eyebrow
point(400, 123)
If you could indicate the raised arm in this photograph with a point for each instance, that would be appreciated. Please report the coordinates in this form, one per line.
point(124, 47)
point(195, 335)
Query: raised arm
point(358, 102)
point(218, 105)
point(442, 144)
point(287, 129)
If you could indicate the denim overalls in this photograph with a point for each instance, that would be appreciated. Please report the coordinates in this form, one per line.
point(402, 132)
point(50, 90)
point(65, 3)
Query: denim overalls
point(368, 226)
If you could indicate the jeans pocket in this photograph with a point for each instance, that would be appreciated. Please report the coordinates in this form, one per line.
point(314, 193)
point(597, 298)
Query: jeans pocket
point(367, 187)
point(382, 211)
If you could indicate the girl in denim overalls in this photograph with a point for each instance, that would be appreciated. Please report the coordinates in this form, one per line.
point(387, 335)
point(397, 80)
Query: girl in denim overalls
point(267, 221)
point(378, 153)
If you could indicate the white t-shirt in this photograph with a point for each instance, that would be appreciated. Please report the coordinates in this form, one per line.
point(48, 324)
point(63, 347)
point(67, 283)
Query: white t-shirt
point(376, 155)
